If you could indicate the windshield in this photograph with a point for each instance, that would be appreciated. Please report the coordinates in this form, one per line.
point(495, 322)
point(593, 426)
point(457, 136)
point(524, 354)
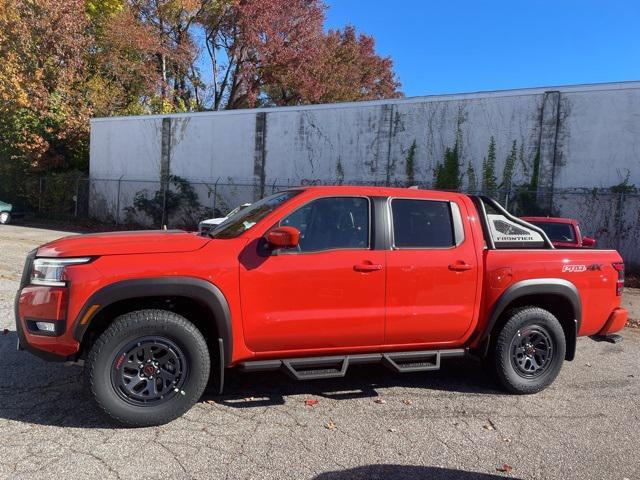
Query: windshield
point(557, 232)
point(248, 217)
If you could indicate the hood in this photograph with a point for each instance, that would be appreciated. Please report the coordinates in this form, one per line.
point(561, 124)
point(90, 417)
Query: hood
point(122, 243)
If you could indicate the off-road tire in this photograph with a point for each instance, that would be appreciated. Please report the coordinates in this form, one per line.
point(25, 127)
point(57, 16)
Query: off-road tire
point(506, 361)
point(127, 329)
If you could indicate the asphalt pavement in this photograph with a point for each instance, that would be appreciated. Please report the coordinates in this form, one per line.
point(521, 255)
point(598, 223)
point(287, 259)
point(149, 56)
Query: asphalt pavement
point(372, 424)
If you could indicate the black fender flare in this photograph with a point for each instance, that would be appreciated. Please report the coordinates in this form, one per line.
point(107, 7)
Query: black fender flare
point(540, 286)
point(201, 291)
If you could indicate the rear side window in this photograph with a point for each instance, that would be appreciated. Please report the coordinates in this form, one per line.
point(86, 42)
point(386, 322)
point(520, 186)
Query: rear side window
point(422, 224)
point(331, 223)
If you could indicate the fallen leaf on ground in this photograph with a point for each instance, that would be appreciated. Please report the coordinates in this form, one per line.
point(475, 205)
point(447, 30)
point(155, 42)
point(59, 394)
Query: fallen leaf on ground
point(310, 402)
point(506, 468)
point(407, 402)
point(588, 364)
point(380, 400)
point(490, 425)
point(330, 425)
point(392, 430)
point(210, 402)
point(506, 439)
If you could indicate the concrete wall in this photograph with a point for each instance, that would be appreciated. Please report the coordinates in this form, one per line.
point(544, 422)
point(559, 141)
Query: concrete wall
point(584, 136)
point(590, 133)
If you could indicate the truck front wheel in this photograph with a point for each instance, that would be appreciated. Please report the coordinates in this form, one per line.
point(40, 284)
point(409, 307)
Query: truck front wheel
point(148, 367)
point(529, 350)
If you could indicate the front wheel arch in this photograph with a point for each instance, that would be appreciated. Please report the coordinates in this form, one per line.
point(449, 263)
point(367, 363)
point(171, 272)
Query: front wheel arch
point(128, 295)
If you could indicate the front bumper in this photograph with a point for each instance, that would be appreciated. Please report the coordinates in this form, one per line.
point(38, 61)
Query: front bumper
point(23, 343)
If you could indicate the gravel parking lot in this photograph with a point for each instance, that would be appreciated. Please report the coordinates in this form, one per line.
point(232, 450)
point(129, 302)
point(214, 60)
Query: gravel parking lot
point(370, 425)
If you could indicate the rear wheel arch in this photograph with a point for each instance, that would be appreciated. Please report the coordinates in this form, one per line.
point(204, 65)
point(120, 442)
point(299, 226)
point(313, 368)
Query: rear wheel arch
point(558, 296)
point(197, 300)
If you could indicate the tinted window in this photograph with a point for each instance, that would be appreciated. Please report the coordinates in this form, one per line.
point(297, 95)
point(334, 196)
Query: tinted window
point(248, 217)
point(330, 223)
point(557, 232)
point(421, 224)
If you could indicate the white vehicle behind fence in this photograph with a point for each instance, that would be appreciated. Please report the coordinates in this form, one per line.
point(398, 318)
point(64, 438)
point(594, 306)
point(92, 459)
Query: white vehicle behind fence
point(206, 226)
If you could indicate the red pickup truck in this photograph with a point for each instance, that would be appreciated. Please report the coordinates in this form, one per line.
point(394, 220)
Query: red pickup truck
point(563, 232)
point(311, 281)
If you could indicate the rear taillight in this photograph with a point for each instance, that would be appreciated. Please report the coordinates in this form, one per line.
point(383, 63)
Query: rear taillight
point(619, 267)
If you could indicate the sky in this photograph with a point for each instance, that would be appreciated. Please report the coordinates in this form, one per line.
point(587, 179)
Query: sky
point(452, 46)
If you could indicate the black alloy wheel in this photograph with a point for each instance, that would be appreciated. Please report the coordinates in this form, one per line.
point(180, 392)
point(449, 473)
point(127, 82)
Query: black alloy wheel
point(149, 370)
point(148, 367)
point(528, 350)
point(531, 351)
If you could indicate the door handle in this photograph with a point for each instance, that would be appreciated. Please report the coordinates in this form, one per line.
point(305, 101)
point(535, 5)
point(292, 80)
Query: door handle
point(460, 266)
point(367, 267)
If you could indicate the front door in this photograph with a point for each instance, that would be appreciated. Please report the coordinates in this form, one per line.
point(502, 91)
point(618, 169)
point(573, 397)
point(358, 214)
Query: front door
point(432, 273)
point(326, 294)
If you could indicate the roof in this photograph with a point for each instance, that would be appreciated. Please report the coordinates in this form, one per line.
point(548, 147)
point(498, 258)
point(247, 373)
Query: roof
point(379, 191)
point(626, 85)
point(550, 219)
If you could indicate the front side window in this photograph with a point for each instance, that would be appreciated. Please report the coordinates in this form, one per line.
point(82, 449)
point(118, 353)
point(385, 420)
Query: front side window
point(422, 224)
point(331, 223)
point(247, 218)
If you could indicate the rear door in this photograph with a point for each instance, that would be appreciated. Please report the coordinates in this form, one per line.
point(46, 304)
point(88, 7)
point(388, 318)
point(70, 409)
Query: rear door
point(432, 272)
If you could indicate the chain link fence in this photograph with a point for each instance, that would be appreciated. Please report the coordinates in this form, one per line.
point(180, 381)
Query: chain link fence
point(612, 217)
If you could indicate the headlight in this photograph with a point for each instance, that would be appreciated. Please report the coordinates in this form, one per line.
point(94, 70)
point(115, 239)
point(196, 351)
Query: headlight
point(50, 271)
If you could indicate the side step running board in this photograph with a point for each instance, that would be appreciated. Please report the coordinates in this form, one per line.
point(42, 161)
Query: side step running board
point(406, 362)
point(314, 368)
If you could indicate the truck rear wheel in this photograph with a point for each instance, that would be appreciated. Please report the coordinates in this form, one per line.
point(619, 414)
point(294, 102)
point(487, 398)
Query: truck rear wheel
point(148, 367)
point(529, 351)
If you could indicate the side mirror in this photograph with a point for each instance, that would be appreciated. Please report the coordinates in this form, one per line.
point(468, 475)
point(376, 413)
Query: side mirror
point(283, 237)
point(588, 242)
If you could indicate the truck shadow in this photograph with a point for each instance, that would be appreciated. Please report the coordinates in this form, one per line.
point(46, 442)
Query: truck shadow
point(35, 391)
point(247, 390)
point(39, 392)
point(404, 472)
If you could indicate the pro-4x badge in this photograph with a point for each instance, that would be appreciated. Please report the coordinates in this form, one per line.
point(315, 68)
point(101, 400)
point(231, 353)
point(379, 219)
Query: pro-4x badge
point(574, 268)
